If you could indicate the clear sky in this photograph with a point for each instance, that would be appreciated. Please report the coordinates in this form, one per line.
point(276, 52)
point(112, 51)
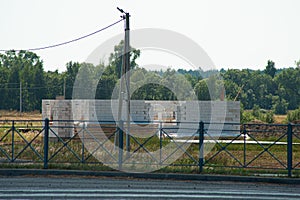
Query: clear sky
point(234, 33)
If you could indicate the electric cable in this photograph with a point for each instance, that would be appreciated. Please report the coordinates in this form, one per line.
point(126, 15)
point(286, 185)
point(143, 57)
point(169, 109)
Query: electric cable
point(67, 42)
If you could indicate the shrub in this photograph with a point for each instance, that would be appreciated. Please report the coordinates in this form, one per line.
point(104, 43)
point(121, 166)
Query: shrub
point(258, 114)
point(246, 117)
point(256, 111)
point(293, 115)
point(268, 117)
point(280, 106)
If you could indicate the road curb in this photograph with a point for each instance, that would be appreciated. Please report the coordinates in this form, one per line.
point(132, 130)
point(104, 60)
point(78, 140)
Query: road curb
point(183, 177)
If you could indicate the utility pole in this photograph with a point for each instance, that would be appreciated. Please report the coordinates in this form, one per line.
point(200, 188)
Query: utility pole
point(125, 72)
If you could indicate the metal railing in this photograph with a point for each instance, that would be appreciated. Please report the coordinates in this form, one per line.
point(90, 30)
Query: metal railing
point(252, 146)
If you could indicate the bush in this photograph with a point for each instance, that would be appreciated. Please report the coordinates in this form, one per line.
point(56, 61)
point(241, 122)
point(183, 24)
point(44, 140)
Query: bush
point(263, 115)
point(293, 115)
point(268, 117)
point(256, 111)
point(258, 114)
point(280, 106)
point(246, 117)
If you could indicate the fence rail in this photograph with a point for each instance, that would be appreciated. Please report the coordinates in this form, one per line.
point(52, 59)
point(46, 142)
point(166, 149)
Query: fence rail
point(151, 145)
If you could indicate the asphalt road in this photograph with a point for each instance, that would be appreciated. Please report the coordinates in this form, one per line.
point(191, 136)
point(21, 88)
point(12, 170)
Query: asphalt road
point(62, 187)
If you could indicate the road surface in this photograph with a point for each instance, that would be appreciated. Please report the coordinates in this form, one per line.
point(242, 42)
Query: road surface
point(62, 187)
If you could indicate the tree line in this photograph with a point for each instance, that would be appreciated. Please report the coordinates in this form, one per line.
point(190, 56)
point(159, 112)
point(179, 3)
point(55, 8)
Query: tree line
point(22, 73)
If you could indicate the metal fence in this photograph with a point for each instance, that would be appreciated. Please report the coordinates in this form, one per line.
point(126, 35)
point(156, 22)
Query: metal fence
point(270, 147)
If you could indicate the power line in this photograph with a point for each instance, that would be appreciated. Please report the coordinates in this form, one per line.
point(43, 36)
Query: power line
point(67, 42)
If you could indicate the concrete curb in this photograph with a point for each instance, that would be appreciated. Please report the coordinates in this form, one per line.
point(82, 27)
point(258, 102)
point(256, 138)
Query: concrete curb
point(184, 177)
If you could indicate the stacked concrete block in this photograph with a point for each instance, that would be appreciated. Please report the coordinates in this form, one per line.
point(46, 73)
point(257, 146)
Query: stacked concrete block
point(163, 110)
point(232, 116)
point(46, 109)
point(106, 110)
point(210, 111)
point(79, 110)
point(216, 114)
point(140, 111)
point(59, 114)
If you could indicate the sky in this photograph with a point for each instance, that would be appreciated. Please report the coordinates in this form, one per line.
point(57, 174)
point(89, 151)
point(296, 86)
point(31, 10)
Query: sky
point(234, 33)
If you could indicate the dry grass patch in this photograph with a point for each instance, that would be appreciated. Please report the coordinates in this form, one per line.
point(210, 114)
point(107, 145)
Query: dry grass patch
point(279, 119)
point(16, 115)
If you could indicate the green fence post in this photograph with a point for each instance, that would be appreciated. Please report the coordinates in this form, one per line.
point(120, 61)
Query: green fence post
point(290, 150)
point(46, 143)
point(82, 142)
point(120, 132)
point(160, 143)
point(245, 145)
point(13, 141)
point(201, 145)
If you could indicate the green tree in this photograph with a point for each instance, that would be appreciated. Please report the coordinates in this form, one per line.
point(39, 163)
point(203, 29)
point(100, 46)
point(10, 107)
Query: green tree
point(116, 58)
point(270, 68)
point(71, 73)
point(54, 84)
point(288, 83)
point(193, 76)
point(3, 86)
point(26, 68)
point(112, 73)
point(107, 83)
point(86, 82)
point(145, 85)
point(280, 106)
point(232, 90)
point(202, 91)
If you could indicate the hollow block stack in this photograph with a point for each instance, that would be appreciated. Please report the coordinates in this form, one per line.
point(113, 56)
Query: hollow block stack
point(140, 111)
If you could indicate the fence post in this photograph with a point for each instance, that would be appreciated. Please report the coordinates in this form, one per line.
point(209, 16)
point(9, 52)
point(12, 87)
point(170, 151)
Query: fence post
point(160, 143)
point(290, 149)
point(82, 142)
point(245, 144)
point(46, 143)
point(120, 132)
point(12, 141)
point(201, 145)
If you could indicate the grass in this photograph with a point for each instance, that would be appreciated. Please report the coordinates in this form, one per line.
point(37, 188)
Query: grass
point(280, 119)
point(16, 115)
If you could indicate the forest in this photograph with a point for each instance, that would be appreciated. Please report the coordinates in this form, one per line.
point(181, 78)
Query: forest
point(270, 89)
